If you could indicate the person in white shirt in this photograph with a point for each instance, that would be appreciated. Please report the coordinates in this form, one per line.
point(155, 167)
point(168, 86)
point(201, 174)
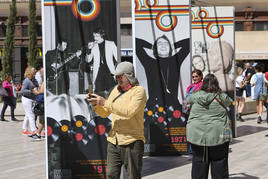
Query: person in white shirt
point(240, 84)
point(38, 77)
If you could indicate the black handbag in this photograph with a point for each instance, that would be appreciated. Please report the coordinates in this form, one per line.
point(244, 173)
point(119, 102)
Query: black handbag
point(3, 92)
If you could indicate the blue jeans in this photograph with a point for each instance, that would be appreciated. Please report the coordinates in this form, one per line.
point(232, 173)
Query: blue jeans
point(248, 90)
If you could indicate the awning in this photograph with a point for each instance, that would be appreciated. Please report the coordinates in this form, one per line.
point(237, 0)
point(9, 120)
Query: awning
point(251, 45)
point(251, 55)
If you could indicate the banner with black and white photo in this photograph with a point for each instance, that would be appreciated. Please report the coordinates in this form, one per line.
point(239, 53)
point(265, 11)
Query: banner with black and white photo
point(80, 43)
point(213, 47)
point(162, 61)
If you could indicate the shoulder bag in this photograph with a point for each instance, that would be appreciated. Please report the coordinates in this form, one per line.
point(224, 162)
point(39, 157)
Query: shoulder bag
point(3, 92)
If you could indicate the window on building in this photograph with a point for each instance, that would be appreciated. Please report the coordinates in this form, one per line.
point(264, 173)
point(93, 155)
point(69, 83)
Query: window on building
point(25, 31)
point(126, 29)
point(2, 29)
point(239, 26)
point(39, 30)
point(260, 26)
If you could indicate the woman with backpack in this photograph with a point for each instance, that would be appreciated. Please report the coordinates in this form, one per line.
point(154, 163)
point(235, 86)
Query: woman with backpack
point(259, 82)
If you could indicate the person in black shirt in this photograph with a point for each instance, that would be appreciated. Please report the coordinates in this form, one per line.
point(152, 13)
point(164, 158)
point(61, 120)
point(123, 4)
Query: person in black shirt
point(163, 76)
point(248, 72)
point(56, 71)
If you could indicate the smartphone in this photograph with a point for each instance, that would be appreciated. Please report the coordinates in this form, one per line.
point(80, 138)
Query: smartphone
point(90, 96)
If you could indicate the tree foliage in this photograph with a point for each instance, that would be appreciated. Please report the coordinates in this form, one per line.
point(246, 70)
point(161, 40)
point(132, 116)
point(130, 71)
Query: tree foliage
point(32, 34)
point(9, 40)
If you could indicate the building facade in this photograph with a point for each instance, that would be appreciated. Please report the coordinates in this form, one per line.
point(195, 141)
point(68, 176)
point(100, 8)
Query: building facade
point(21, 38)
point(251, 34)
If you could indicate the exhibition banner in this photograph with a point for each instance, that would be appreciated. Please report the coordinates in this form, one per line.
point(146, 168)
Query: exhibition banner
point(80, 40)
point(162, 61)
point(213, 47)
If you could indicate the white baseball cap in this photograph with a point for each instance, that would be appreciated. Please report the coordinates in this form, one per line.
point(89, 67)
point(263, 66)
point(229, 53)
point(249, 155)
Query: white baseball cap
point(124, 68)
point(128, 69)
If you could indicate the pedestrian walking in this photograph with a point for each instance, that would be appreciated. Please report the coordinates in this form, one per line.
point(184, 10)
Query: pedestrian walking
point(259, 82)
point(39, 92)
point(240, 87)
point(126, 139)
point(28, 84)
point(247, 74)
point(9, 100)
point(208, 130)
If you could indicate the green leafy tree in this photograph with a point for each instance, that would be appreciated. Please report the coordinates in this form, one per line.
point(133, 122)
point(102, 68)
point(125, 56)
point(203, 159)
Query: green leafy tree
point(32, 34)
point(9, 40)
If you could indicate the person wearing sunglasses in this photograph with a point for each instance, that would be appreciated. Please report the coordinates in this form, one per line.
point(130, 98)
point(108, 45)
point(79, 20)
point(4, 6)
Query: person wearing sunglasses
point(197, 77)
point(126, 138)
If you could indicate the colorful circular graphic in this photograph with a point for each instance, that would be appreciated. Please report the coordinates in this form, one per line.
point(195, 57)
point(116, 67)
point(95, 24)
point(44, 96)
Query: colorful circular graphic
point(165, 21)
point(214, 30)
point(87, 13)
point(79, 123)
point(64, 128)
point(202, 14)
point(49, 131)
point(78, 136)
point(138, 5)
point(192, 16)
point(150, 3)
point(160, 109)
point(100, 129)
point(150, 112)
point(177, 114)
point(161, 119)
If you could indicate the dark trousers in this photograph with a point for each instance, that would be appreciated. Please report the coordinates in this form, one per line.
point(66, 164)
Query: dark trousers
point(248, 90)
point(8, 102)
point(128, 155)
point(216, 156)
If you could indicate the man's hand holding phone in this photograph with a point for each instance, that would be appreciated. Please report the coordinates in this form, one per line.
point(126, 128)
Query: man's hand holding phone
point(95, 99)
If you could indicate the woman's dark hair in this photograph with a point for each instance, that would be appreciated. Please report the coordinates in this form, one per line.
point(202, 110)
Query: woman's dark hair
point(155, 46)
point(198, 72)
point(258, 68)
point(210, 84)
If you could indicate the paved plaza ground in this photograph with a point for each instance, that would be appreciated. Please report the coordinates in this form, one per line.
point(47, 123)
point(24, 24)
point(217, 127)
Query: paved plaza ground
point(22, 157)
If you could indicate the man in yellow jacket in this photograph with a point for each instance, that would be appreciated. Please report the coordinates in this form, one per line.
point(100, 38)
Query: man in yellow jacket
point(126, 138)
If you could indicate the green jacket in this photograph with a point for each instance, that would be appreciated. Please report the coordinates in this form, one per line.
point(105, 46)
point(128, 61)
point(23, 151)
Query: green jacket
point(208, 123)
